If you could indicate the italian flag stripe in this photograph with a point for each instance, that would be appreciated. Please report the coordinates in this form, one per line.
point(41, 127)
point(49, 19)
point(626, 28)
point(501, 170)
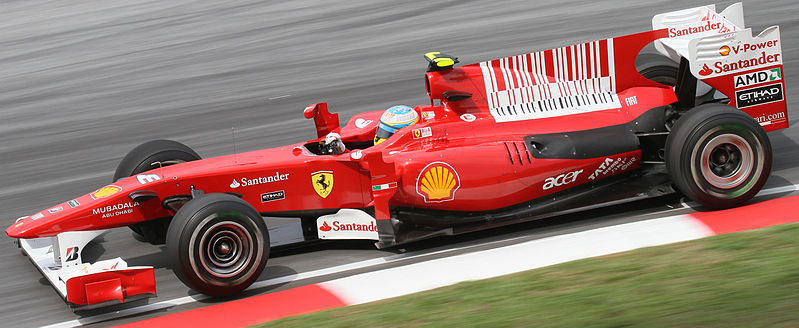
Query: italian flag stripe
point(384, 186)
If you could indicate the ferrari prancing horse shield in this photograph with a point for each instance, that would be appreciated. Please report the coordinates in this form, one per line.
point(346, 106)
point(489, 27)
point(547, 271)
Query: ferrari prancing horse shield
point(322, 182)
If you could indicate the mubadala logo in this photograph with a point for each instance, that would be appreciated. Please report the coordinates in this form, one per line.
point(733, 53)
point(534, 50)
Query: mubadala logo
point(246, 182)
point(766, 75)
point(563, 179)
point(116, 209)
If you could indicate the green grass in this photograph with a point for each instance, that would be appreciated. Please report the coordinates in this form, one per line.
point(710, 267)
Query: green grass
point(747, 279)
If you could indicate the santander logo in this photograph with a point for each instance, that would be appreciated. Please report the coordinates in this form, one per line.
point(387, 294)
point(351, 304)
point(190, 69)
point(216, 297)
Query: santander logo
point(325, 227)
point(347, 227)
point(705, 71)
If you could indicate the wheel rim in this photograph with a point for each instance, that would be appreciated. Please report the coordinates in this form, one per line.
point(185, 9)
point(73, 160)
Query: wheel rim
point(726, 161)
point(225, 249)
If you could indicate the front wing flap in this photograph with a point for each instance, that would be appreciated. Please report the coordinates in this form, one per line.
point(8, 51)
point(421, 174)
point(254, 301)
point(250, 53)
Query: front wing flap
point(87, 286)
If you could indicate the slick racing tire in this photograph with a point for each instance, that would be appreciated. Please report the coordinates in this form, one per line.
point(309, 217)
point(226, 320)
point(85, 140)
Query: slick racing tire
point(663, 70)
point(718, 156)
point(657, 68)
point(217, 244)
point(144, 158)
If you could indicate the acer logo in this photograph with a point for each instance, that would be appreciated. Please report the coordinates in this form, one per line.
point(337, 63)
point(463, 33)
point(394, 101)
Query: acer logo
point(561, 180)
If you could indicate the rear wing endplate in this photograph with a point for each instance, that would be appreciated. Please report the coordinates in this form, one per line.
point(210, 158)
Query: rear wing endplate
point(722, 53)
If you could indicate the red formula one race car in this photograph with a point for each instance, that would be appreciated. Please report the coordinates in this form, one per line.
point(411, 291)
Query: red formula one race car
point(502, 141)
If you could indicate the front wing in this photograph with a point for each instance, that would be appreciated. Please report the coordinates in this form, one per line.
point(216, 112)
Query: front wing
point(87, 285)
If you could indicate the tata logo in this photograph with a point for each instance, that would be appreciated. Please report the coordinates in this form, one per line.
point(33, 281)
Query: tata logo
point(767, 75)
point(561, 180)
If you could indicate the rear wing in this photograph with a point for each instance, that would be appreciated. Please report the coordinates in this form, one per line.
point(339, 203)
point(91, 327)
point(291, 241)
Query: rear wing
point(722, 53)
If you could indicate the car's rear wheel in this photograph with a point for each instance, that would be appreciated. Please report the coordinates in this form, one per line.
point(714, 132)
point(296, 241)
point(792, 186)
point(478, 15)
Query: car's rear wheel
point(217, 244)
point(147, 156)
point(657, 68)
point(718, 155)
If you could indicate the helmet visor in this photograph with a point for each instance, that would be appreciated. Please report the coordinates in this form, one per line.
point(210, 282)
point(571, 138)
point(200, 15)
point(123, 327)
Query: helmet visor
point(384, 131)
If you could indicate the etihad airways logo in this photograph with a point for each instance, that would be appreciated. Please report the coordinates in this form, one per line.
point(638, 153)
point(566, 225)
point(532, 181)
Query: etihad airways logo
point(246, 182)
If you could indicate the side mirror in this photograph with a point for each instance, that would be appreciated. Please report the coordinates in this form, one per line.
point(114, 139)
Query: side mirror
point(324, 120)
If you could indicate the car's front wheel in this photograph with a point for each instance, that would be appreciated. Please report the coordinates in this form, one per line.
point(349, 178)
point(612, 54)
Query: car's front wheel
point(217, 244)
point(718, 155)
point(148, 156)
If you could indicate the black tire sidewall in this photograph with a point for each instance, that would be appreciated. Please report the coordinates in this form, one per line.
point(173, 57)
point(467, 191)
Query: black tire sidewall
point(656, 67)
point(140, 159)
point(690, 133)
point(191, 220)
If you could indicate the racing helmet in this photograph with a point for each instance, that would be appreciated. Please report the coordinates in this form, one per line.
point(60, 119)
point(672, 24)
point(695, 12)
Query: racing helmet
point(393, 119)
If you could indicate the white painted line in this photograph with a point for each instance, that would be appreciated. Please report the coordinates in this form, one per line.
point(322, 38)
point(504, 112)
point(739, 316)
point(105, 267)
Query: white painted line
point(564, 250)
point(393, 282)
point(279, 97)
point(259, 284)
point(777, 190)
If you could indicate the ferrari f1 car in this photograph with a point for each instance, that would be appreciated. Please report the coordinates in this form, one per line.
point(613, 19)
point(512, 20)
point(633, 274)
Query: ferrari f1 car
point(502, 141)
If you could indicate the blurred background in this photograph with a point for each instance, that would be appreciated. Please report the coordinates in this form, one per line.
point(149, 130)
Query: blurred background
point(83, 82)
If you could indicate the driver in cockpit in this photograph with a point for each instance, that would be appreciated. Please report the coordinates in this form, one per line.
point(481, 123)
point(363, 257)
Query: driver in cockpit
point(392, 120)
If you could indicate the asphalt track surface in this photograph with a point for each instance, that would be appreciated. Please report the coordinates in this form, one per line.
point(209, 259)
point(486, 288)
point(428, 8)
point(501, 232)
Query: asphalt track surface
point(82, 83)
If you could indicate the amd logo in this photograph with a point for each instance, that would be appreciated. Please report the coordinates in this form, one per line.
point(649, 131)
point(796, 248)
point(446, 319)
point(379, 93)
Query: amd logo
point(767, 75)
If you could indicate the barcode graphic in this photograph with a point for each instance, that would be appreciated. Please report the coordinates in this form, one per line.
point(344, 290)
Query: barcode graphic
point(561, 106)
point(563, 81)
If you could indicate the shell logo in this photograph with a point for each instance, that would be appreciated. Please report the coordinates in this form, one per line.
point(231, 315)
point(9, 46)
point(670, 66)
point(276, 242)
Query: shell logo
point(438, 182)
point(106, 191)
point(724, 50)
